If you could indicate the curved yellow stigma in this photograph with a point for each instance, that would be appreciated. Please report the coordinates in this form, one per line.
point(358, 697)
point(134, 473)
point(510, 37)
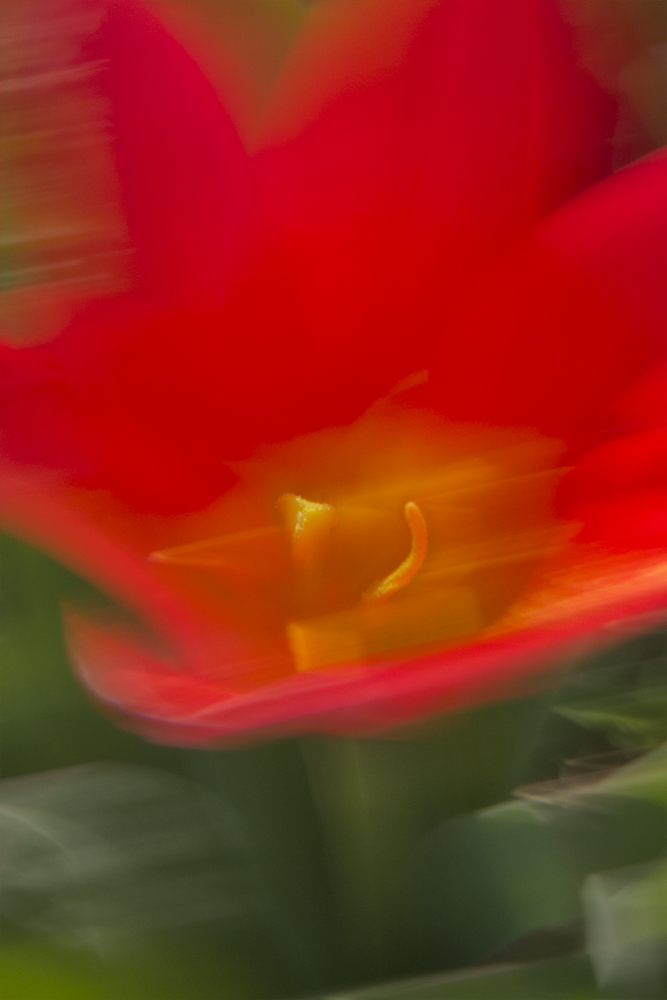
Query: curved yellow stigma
point(411, 565)
point(309, 525)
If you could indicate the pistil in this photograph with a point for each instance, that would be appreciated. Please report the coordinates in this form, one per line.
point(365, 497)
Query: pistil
point(411, 564)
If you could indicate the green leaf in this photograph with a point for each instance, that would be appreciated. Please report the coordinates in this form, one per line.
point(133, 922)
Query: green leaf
point(621, 693)
point(626, 918)
point(563, 979)
point(645, 779)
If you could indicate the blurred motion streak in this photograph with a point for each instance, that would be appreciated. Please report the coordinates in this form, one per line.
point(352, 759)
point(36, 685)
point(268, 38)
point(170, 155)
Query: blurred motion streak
point(64, 239)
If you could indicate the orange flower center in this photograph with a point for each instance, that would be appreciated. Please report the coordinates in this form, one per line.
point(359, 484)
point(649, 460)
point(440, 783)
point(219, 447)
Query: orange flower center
point(421, 536)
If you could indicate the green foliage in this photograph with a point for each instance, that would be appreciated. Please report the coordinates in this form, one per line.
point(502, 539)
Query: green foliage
point(564, 979)
point(627, 928)
point(623, 697)
point(527, 833)
point(36, 971)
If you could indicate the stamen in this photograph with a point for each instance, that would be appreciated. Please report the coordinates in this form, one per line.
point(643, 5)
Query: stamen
point(309, 525)
point(410, 566)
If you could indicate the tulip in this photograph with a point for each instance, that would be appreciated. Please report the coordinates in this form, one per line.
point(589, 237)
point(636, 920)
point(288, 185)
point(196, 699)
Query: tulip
point(366, 441)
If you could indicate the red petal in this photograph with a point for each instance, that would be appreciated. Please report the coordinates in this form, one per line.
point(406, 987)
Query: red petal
point(575, 320)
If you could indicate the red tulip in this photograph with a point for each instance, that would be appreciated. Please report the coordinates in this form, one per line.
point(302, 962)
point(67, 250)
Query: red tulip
point(209, 447)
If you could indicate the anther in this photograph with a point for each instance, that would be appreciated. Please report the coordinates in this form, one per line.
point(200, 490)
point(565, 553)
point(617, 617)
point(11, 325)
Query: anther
point(309, 525)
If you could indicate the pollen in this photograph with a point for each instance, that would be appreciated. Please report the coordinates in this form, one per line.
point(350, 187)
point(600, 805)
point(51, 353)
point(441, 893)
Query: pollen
point(309, 527)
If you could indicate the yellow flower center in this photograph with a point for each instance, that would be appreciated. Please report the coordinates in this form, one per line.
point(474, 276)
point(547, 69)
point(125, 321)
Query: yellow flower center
point(329, 581)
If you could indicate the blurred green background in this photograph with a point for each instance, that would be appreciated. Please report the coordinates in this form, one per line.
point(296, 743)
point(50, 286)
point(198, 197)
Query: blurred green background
point(516, 850)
